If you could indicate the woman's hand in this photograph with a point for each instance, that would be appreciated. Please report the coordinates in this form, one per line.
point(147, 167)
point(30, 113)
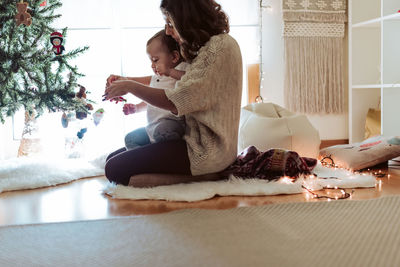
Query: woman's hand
point(117, 88)
point(152, 96)
point(113, 78)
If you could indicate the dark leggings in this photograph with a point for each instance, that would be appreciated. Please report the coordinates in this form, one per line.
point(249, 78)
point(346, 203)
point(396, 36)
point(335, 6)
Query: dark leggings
point(169, 157)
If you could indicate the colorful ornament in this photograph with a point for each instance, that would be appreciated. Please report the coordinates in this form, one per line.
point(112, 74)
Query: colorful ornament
point(23, 17)
point(64, 120)
point(44, 3)
point(80, 115)
point(81, 95)
point(82, 92)
point(117, 99)
point(81, 133)
point(56, 40)
point(97, 116)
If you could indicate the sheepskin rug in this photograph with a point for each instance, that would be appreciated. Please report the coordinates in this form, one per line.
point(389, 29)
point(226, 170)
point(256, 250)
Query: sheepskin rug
point(326, 177)
point(35, 172)
point(29, 173)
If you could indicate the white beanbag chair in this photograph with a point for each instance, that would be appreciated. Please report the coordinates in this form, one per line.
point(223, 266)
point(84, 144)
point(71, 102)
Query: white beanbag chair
point(267, 125)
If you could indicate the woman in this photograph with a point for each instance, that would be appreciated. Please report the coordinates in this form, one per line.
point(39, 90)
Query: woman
point(208, 95)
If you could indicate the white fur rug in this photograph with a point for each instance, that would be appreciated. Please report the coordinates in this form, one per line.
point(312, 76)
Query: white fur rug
point(327, 177)
point(29, 173)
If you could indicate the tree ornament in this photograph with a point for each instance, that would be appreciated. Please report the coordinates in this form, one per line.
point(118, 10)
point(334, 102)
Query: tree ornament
point(81, 96)
point(80, 115)
point(64, 120)
point(81, 133)
point(23, 17)
point(118, 99)
point(56, 40)
point(44, 3)
point(98, 115)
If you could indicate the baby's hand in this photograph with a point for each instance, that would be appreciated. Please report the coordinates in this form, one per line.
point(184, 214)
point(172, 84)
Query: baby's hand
point(129, 109)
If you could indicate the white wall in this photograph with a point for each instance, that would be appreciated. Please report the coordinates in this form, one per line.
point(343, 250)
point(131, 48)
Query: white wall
point(329, 126)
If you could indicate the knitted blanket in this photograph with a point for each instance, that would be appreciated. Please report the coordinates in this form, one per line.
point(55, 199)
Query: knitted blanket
point(271, 164)
point(313, 32)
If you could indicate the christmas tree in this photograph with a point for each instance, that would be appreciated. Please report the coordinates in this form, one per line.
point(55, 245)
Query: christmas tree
point(33, 74)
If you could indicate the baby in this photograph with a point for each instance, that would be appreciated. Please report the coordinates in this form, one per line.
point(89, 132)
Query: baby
point(168, 67)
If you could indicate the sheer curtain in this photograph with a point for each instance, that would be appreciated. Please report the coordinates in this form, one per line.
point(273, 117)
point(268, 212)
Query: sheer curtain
point(116, 32)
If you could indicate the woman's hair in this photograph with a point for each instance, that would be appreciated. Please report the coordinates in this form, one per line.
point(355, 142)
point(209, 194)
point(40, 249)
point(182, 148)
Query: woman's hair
point(195, 21)
point(166, 40)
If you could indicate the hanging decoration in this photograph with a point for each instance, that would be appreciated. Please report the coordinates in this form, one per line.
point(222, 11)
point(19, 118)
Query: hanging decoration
point(97, 116)
point(81, 133)
point(44, 3)
point(313, 33)
point(64, 120)
point(81, 96)
point(56, 40)
point(117, 99)
point(23, 17)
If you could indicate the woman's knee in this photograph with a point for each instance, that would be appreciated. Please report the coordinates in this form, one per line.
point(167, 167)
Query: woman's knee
point(115, 173)
point(123, 149)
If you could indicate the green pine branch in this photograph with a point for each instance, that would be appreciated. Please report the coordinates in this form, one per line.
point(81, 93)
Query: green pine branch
point(31, 75)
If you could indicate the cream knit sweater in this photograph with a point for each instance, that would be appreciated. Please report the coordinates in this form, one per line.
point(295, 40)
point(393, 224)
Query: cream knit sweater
point(209, 96)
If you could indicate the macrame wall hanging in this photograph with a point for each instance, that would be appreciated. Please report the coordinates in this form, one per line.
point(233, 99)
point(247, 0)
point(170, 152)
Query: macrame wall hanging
point(314, 44)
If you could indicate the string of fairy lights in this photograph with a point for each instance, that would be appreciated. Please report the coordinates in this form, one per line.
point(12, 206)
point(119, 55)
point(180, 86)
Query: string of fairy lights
point(263, 7)
point(342, 194)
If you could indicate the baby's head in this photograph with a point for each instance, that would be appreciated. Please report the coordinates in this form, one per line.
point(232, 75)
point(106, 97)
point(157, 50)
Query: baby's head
point(163, 52)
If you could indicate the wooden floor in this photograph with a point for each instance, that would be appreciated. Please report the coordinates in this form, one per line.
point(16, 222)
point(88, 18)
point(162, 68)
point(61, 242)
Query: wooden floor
point(83, 200)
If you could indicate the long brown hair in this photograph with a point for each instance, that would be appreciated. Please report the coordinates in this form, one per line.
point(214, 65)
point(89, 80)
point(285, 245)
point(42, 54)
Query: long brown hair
point(195, 21)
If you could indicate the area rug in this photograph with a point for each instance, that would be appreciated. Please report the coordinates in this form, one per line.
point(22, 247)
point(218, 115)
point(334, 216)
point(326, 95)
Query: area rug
point(29, 173)
point(326, 177)
point(336, 233)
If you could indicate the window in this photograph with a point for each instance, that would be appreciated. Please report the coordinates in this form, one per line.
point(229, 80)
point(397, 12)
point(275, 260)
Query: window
point(117, 32)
